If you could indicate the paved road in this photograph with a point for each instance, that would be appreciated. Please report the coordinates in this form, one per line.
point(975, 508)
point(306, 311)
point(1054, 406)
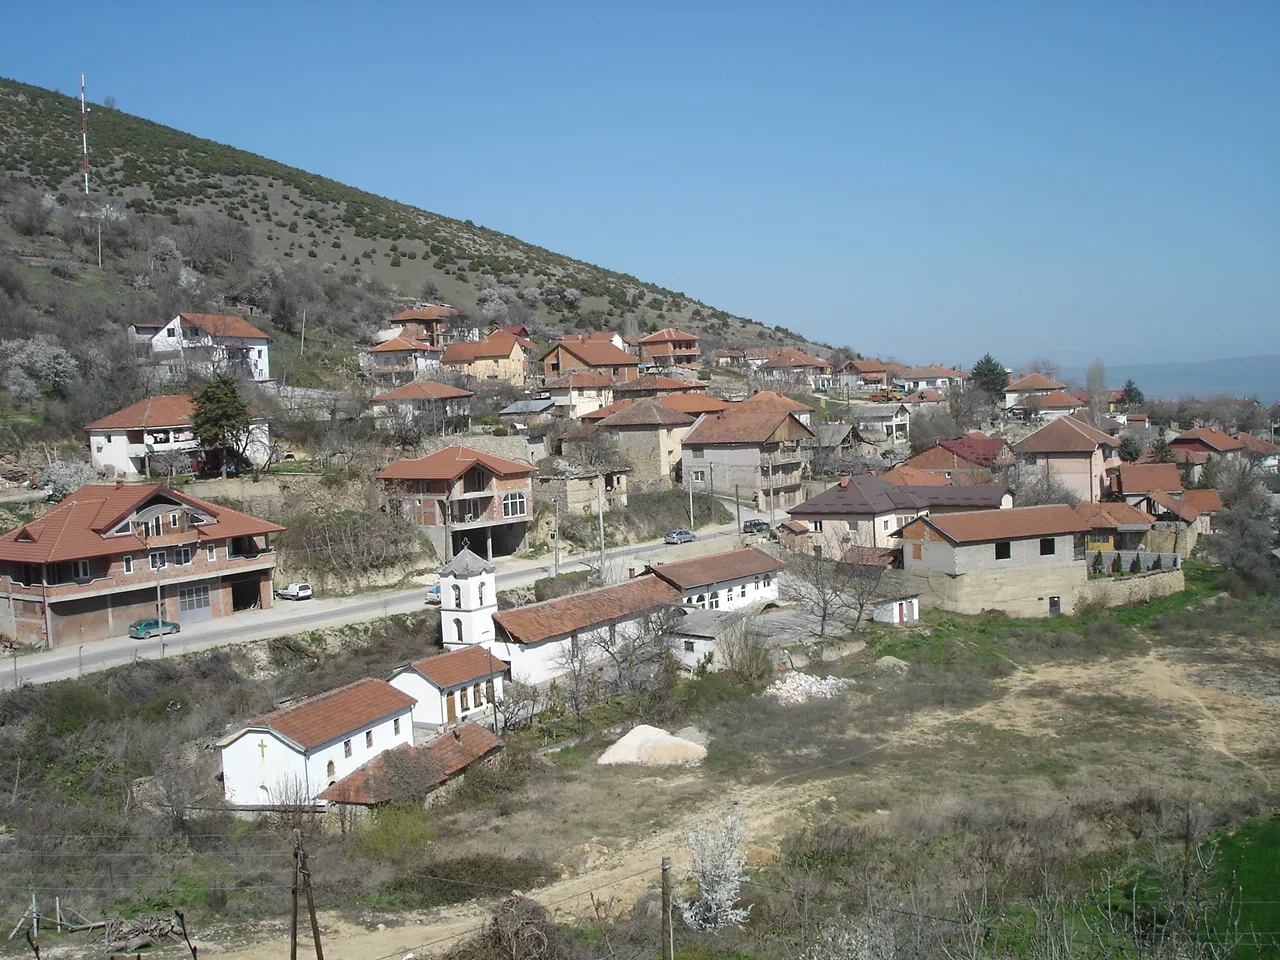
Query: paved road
point(293, 617)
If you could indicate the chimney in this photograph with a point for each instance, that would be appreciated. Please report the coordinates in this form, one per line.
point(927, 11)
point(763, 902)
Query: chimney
point(456, 735)
point(631, 573)
point(844, 482)
point(119, 484)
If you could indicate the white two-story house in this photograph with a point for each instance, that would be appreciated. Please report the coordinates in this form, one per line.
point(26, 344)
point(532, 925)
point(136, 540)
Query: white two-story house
point(208, 343)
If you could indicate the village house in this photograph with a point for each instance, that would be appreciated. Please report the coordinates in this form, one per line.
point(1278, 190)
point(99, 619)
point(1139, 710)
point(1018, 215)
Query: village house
point(600, 356)
point(833, 445)
point(437, 324)
point(656, 385)
point(458, 685)
point(698, 637)
point(723, 581)
point(797, 366)
point(442, 761)
point(1057, 404)
point(208, 344)
point(1264, 454)
point(694, 404)
point(1023, 394)
point(931, 376)
point(923, 400)
point(499, 356)
point(973, 458)
point(460, 496)
point(108, 555)
point(577, 394)
point(866, 510)
point(1178, 523)
point(1073, 453)
point(728, 358)
point(1114, 526)
point(756, 357)
point(649, 435)
point(1209, 441)
point(289, 756)
point(905, 476)
point(626, 344)
point(156, 435)
point(581, 489)
point(862, 375)
point(881, 422)
point(433, 406)
point(1208, 504)
point(1026, 561)
point(768, 401)
point(1136, 481)
point(671, 347)
point(754, 453)
point(402, 359)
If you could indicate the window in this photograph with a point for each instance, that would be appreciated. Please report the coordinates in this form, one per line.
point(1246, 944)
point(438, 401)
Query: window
point(368, 738)
point(475, 696)
point(157, 560)
point(768, 582)
point(172, 332)
point(182, 556)
point(193, 598)
point(884, 524)
point(211, 552)
point(346, 748)
point(457, 629)
point(513, 505)
point(395, 726)
point(715, 600)
point(688, 646)
point(699, 476)
point(79, 569)
point(123, 528)
point(462, 699)
point(128, 564)
point(699, 454)
point(702, 599)
point(816, 525)
point(1100, 538)
point(173, 519)
point(742, 592)
point(157, 527)
point(480, 592)
point(457, 597)
point(1004, 550)
point(329, 769)
point(1048, 546)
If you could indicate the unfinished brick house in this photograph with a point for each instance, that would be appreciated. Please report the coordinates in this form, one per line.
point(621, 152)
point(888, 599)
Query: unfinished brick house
point(109, 555)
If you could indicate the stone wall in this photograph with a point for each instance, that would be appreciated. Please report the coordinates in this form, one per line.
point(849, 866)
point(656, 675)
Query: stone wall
point(1020, 592)
point(1139, 588)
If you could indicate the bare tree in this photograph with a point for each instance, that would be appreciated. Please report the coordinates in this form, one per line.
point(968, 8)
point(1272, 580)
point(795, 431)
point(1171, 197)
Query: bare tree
point(818, 586)
point(743, 651)
point(1045, 367)
point(1096, 384)
point(520, 703)
point(635, 652)
point(576, 678)
point(1037, 487)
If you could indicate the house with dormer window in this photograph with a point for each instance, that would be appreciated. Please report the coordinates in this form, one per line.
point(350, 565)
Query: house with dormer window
point(109, 555)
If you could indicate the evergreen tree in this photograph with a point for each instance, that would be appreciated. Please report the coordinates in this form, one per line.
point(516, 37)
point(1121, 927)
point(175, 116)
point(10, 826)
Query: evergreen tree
point(1131, 395)
point(1161, 451)
point(219, 417)
point(990, 376)
point(1130, 449)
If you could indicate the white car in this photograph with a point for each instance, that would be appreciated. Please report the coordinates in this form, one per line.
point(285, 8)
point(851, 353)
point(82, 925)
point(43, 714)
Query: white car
point(295, 591)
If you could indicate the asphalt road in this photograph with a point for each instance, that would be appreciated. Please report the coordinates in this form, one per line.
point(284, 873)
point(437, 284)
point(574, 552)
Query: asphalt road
point(288, 616)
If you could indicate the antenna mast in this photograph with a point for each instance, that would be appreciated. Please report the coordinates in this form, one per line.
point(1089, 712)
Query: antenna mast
point(84, 138)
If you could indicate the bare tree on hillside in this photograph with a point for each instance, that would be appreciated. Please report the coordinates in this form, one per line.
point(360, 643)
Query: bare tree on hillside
point(576, 678)
point(636, 651)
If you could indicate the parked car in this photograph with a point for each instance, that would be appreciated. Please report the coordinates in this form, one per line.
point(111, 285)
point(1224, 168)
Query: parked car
point(146, 629)
point(679, 536)
point(755, 526)
point(433, 595)
point(295, 591)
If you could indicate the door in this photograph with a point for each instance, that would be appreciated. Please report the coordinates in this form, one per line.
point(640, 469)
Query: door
point(451, 708)
point(1055, 606)
point(902, 614)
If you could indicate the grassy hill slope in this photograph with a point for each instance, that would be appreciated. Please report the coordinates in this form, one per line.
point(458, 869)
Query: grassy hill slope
point(297, 216)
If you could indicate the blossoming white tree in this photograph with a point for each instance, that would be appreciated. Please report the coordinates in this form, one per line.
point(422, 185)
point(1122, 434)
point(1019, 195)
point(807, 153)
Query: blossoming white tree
point(717, 871)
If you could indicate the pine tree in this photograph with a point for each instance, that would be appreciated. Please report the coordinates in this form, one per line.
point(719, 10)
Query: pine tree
point(219, 417)
point(1131, 396)
point(1130, 449)
point(990, 376)
point(1161, 451)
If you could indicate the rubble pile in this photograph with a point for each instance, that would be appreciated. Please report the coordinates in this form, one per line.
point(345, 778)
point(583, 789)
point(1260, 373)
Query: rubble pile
point(801, 688)
point(652, 747)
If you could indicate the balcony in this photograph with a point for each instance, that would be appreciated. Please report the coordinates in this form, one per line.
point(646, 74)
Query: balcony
point(143, 577)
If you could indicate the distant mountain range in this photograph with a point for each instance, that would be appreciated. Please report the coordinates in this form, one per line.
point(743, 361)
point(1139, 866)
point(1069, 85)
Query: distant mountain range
point(1236, 377)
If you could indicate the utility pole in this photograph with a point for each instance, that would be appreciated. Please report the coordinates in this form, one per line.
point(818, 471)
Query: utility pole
point(689, 483)
point(305, 869)
point(737, 502)
point(302, 345)
point(668, 939)
point(600, 522)
point(555, 544)
point(293, 916)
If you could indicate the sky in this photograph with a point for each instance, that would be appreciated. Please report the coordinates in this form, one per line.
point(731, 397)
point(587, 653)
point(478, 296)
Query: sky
point(924, 180)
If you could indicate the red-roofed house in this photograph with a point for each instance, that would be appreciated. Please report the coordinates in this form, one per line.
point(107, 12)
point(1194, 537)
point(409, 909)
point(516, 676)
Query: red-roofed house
point(671, 347)
point(107, 555)
point(792, 364)
point(453, 686)
point(577, 394)
point(1025, 393)
point(972, 458)
point(427, 405)
point(209, 343)
point(461, 496)
point(570, 355)
point(723, 581)
point(931, 376)
point(403, 358)
point(499, 356)
point(1262, 452)
point(1208, 440)
point(755, 451)
point(155, 435)
point(292, 754)
point(1074, 453)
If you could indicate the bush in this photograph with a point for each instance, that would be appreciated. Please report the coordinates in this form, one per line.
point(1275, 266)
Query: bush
point(1116, 565)
point(444, 882)
point(1158, 564)
point(395, 834)
point(1136, 565)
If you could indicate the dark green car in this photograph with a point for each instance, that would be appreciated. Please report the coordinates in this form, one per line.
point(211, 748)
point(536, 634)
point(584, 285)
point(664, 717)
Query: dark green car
point(146, 629)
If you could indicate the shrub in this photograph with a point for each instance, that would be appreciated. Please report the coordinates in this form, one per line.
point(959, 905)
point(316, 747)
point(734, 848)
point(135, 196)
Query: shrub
point(1136, 565)
point(395, 834)
point(1116, 565)
point(1158, 564)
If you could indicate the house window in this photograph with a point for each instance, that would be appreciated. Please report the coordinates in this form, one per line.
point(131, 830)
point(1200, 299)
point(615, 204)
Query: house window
point(193, 598)
point(884, 524)
point(742, 592)
point(330, 770)
point(395, 726)
point(79, 569)
point(172, 332)
point(211, 552)
point(816, 525)
point(699, 476)
point(157, 527)
point(1048, 546)
point(699, 454)
point(173, 519)
point(768, 582)
point(475, 695)
point(128, 564)
point(462, 699)
point(715, 600)
point(688, 646)
point(1004, 550)
point(1102, 539)
point(157, 560)
point(182, 556)
point(702, 599)
point(513, 505)
point(346, 748)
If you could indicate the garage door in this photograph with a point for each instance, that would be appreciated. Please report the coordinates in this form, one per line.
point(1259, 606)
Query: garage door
point(194, 604)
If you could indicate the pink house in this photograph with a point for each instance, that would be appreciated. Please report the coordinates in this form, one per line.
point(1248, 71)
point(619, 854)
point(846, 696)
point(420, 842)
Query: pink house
point(1074, 453)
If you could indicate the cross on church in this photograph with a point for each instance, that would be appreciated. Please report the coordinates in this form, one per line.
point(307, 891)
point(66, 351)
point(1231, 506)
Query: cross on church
point(262, 748)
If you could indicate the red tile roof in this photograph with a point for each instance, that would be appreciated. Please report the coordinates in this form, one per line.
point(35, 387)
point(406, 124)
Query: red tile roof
point(1059, 400)
point(495, 346)
point(931, 371)
point(1019, 523)
point(451, 463)
point(436, 311)
point(658, 383)
point(905, 476)
point(173, 410)
point(733, 426)
point(648, 412)
point(1033, 381)
point(694, 404)
point(423, 390)
point(1184, 509)
point(1065, 435)
point(221, 325)
point(668, 335)
point(928, 395)
point(595, 416)
point(1146, 477)
point(794, 526)
point(1257, 444)
point(595, 353)
point(1205, 501)
point(1113, 516)
point(81, 525)
point(977, 448)
point(1208, 436)
point(447, 755)
point(716, 568)
point(582, 611)
point(863, 366)
point(459, 667)
point(771, 400)
point(580, 379)
point(789, 357)
point(328, 716)
point(404, 345)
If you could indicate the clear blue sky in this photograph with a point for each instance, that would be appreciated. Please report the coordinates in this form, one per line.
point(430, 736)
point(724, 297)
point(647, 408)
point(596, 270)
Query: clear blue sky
point(930, 180)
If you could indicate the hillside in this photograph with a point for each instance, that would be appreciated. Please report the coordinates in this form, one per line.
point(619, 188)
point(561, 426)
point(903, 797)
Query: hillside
point(142, 168)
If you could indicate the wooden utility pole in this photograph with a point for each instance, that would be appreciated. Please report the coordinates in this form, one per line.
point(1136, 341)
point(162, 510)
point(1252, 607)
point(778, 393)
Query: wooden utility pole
point(737, 502)
point(668, 938)
point(600, 521)
point(293, 917)
point(305, 869)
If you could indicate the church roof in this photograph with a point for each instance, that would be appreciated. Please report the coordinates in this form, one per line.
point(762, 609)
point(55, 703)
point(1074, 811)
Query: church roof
point(466, 564)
